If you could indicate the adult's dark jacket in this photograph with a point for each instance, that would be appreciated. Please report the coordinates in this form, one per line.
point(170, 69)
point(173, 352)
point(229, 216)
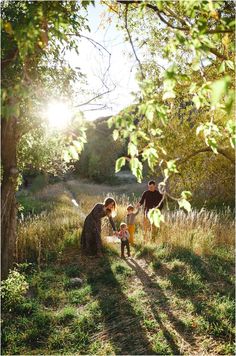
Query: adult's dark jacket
point(151, 200)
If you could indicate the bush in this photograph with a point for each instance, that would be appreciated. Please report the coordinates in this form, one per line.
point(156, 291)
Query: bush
point(13, 289)
point(29, 205)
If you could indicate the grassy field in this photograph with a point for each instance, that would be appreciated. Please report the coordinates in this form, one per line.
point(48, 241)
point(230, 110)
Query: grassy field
point(175, 295)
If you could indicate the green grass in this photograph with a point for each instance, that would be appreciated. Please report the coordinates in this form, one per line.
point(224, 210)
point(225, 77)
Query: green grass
point(122, 306)
point(30, 205)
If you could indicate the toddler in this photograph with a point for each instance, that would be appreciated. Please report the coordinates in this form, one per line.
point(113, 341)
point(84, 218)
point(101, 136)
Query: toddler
point(124, 237)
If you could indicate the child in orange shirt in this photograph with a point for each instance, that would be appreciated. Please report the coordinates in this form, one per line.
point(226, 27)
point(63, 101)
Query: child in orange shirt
point(130, 218)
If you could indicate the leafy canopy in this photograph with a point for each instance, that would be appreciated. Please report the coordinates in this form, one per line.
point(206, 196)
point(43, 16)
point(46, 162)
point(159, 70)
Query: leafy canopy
point(185, 53)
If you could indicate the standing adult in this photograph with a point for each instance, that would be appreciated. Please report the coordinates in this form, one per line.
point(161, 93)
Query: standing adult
point(151, 198)
point(91, 242)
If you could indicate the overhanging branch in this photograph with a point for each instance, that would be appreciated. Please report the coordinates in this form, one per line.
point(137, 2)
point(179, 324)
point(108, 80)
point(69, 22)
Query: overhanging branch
point(207, 149)
point(99, 47)
point(131, 42)
point(183, 22)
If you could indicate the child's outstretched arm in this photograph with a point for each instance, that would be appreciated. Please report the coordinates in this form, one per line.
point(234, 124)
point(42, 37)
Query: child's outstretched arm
point(112, 223)
point(138, 210)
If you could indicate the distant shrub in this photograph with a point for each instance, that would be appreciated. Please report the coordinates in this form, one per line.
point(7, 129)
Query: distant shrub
point(29, 205)
point(39, 183)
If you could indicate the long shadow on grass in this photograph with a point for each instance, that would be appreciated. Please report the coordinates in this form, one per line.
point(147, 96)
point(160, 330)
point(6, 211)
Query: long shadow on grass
point(212, 268)
point(159, 303)
point(212, 286)
point(211, 277)
point(123, 325)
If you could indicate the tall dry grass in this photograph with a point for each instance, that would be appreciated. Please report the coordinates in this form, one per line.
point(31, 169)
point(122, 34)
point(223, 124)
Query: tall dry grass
point(201, 231)
point(45, 234)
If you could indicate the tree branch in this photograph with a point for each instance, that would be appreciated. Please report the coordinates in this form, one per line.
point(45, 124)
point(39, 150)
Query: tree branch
point(11, 57)
point(94, 98)
point(96, 45)
point(182, 21)
point(216, 53)
point(131, 42)
point(207, 149)
point(155, 9)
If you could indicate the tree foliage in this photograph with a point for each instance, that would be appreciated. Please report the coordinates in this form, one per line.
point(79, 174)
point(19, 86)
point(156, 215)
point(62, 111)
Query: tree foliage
point(34, 70)
point(185, 58)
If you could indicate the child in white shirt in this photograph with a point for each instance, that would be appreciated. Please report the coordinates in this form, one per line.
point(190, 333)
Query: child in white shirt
point(124, 237)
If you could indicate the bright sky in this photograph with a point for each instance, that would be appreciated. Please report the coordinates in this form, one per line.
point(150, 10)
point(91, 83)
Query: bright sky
point(121, 75)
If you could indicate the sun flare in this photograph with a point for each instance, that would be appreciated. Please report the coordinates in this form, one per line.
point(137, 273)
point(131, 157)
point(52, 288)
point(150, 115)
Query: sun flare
point(58, 115)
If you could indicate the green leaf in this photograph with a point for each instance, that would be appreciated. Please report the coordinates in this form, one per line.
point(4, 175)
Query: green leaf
point(172, 166)
point(136, 168)
point(155, 216)
point(192, 88)
point(233, 141)
point(66, 156)
point(219, 89)
point(222, 67)
point(159, 4)
point(73, 152)
point(196, 66)
point(230, 64)
point(211, 141)
point(110, 122)
point(150, 113)
point(186, 194)
point(85, 3)
point(115, 135)
point(155, 132)
point(231, 128)
point(120, 162)
point(132, 149)
point(183, 203)
point(83, 138)
point(197, 101)
point(151, 155)
point(199, 129)
point(142, 109)
point(168, 95)
point(78, 145)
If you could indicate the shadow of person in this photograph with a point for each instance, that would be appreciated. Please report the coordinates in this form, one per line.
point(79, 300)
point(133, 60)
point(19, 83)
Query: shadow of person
point(123, 326)
point(214, 278)
point(159, 303)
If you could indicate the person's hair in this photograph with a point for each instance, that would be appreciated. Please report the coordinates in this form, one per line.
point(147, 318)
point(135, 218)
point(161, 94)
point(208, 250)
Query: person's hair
point(123, 225)
point(108, 211)
point(152, 182)
point(130, 207)
point(108, 201)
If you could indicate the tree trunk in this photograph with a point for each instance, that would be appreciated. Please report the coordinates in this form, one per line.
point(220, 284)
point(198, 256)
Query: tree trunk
point(8, 201)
